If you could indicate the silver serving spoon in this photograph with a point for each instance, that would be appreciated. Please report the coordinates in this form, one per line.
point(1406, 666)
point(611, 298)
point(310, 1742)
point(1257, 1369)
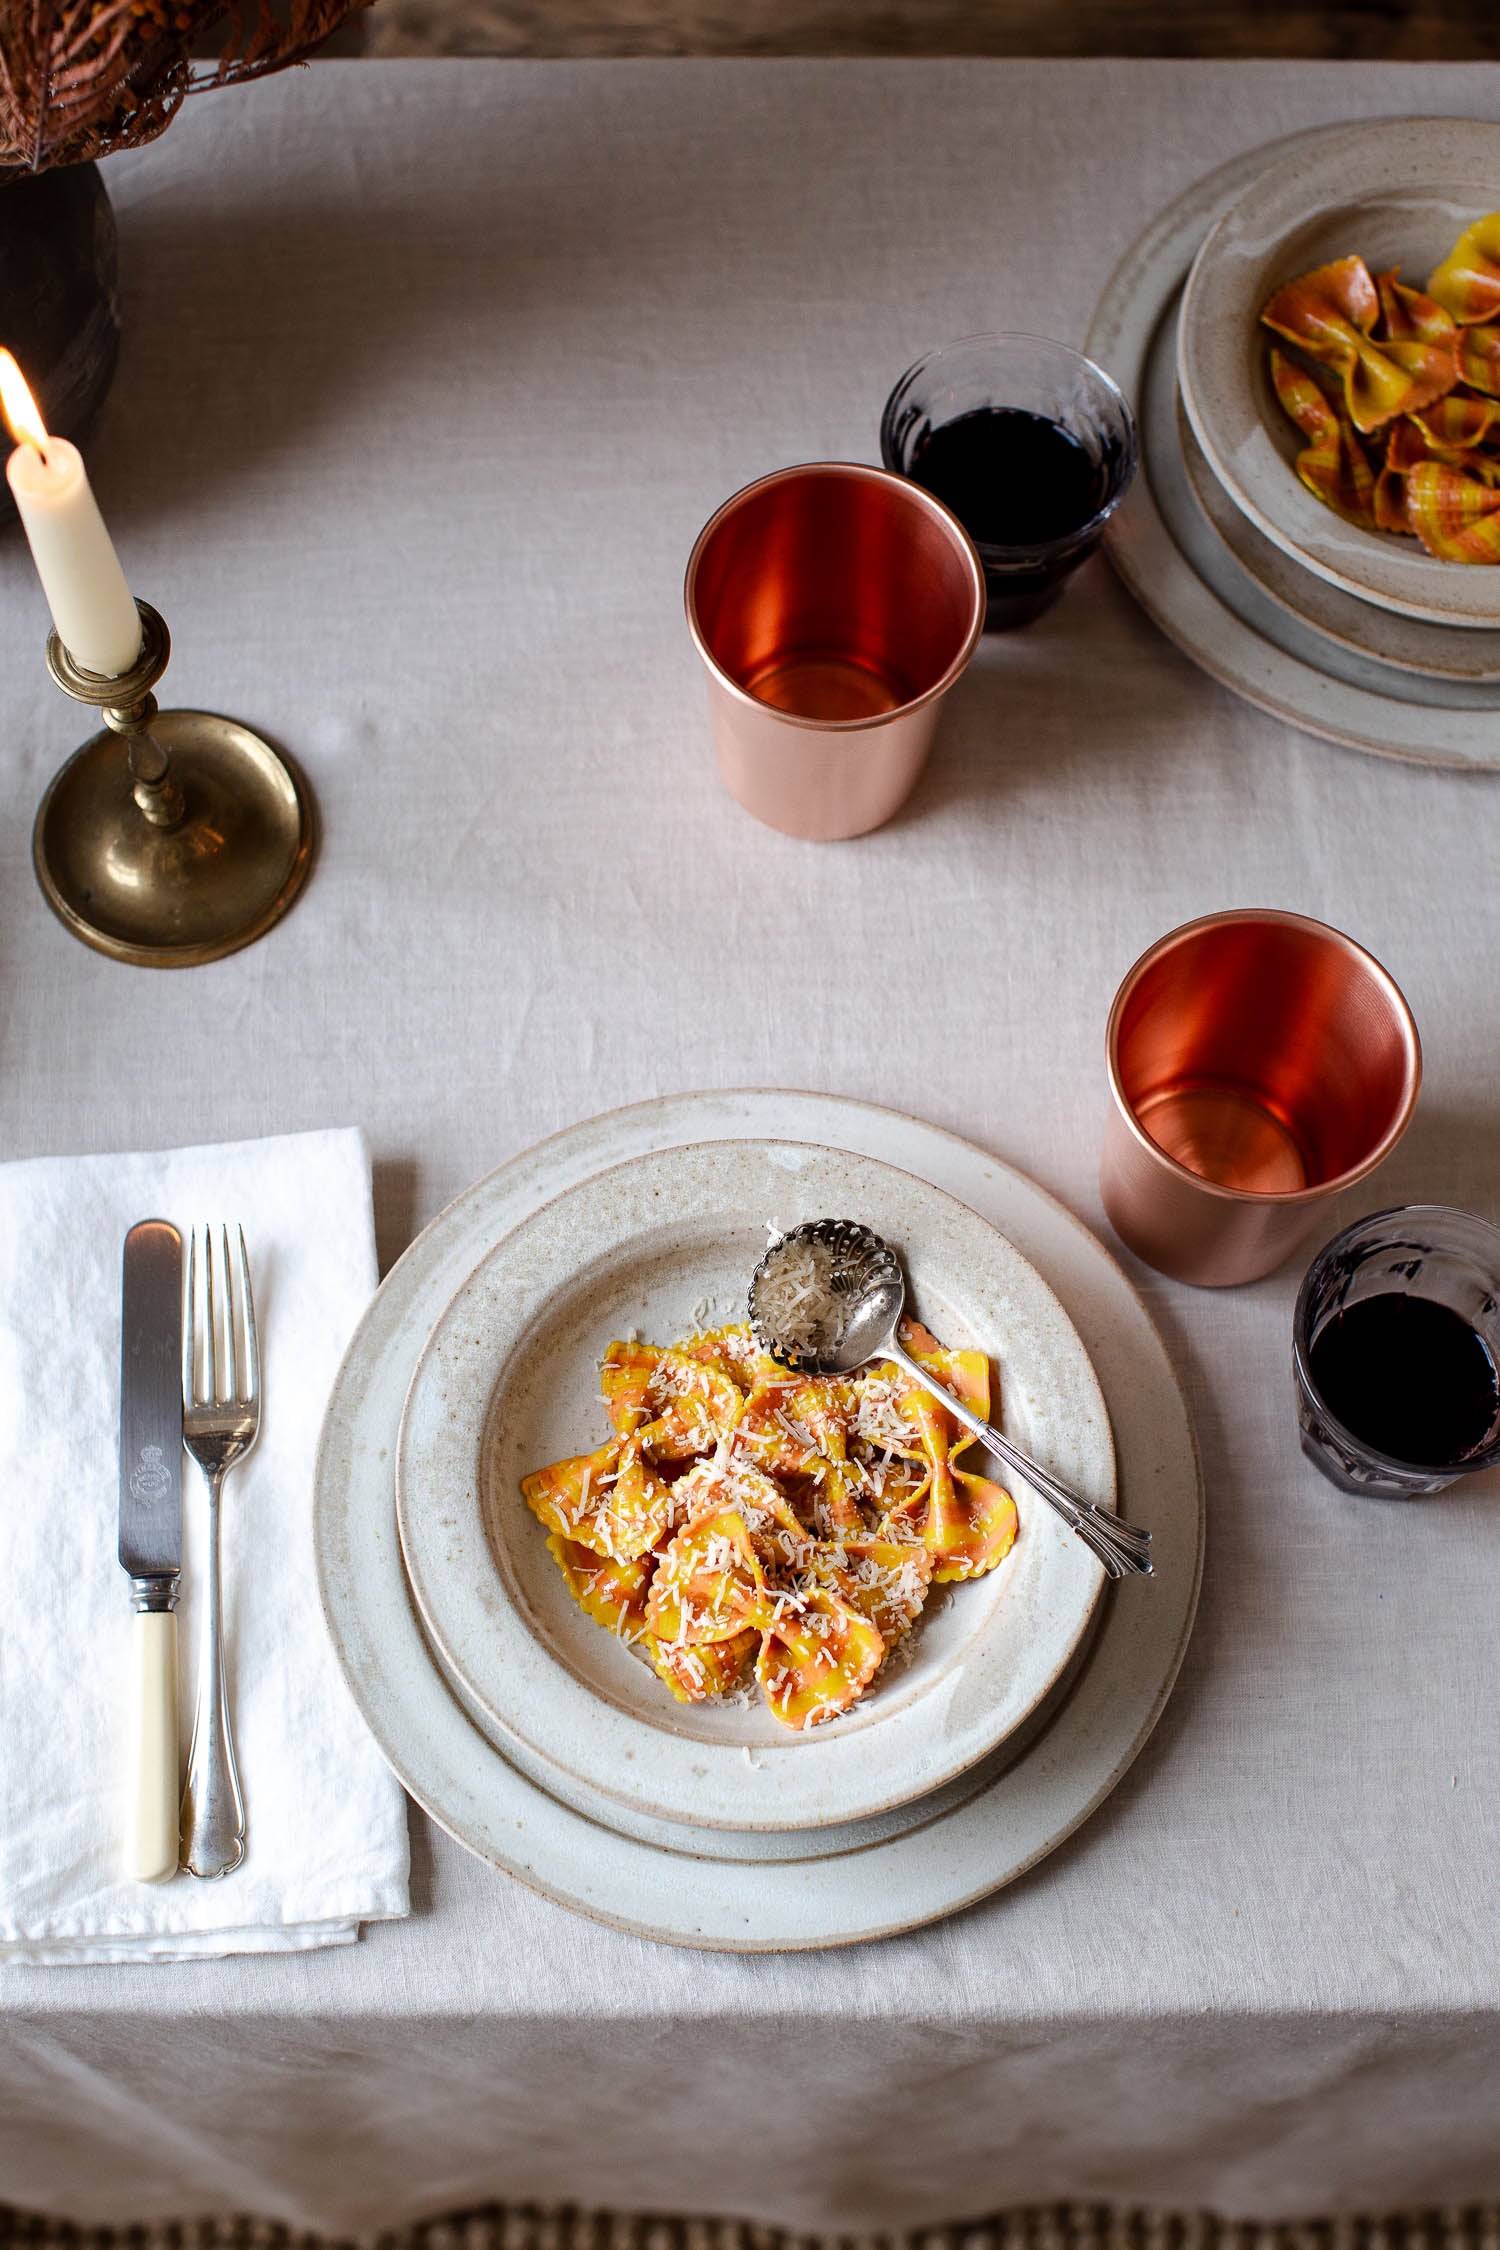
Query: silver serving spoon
point(846, 1313)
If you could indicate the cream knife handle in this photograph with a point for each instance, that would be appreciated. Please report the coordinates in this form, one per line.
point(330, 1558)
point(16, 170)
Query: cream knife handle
point(152, 1786)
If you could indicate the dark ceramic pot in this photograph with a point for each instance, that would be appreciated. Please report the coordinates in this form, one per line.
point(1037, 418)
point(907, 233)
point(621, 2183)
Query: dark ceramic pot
point(58, 310)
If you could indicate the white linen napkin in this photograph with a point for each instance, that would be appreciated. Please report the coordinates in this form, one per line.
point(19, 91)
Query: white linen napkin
point(326, 1819)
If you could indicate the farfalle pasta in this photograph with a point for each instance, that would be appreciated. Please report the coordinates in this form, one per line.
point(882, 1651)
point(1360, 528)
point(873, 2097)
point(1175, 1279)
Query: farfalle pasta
point(1467, 283)
point(1336, 317)
point(1397, 390)
point(744, 1524)
point(1333, 465)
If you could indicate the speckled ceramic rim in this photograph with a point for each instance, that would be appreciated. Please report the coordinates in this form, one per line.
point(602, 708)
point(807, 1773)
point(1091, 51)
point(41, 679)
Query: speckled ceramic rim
point(754, 1847)
point(1322, 1191)
point(594, 1712)
point(1259, 243)
point(470, 1789)
point(1448, 655)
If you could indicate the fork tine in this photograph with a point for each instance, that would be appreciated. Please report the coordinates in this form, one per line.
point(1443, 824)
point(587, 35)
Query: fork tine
point(231, 1343)
point(189, 1325)
point(210, 1325)
point(252, 1344)
point(203, 1327)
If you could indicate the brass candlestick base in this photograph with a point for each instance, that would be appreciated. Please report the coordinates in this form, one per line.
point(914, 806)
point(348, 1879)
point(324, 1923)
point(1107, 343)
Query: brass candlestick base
point(173, 837)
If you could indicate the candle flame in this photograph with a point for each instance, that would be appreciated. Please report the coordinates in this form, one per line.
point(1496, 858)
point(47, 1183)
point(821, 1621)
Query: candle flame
point(22, 416)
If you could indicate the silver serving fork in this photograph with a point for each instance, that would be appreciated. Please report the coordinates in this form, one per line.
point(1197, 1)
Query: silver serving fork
point(220, 1423)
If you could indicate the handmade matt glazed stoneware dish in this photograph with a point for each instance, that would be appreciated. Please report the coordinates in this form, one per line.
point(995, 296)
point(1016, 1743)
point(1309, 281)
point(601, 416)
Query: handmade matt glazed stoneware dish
point(1180, 571)
point(1021, 1812)
point(758, 1846)
point(1396, 193)
point(508, 1382)
point(1434, 652)
point(1456, 716)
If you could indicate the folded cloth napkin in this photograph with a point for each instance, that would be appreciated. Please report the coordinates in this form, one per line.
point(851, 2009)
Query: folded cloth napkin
point(326, 1820)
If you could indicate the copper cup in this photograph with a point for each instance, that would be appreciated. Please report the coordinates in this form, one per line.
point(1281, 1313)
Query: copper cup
point(833, 606)
point(1258, 1064)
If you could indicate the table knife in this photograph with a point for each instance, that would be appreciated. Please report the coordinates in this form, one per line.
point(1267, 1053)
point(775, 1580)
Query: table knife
point(151, 1535)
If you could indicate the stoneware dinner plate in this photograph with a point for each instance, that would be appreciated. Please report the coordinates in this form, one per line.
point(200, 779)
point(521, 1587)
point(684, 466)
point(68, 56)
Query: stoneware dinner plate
point(1398, 193)
point(755, 1846)
point(1178, 568)
point(661, 1247)
point(1404, 644)
point(975, 1846)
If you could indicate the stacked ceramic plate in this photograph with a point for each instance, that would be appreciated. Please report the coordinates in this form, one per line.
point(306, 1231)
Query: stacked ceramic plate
point(1358, 635)
point(548, 1745)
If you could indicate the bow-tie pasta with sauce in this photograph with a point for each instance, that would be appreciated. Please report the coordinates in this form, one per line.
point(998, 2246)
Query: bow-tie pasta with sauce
point(744, 1524)
point(1398, 392)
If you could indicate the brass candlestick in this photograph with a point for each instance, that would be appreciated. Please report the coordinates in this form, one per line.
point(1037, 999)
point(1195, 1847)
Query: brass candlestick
point(174, 836)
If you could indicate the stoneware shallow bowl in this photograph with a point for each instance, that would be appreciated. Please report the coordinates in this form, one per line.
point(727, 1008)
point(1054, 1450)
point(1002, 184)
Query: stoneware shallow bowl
point(1030, 1805)
point(1451, 714)
point(1429, 652)
point(762, 1847)
point(1179, 569)
point(1456, 713)
point(508, 1381)
point(1396, 193)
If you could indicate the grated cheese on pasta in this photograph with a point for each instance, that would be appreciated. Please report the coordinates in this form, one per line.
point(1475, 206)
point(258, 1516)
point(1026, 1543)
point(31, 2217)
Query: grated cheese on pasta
point(781, 1534)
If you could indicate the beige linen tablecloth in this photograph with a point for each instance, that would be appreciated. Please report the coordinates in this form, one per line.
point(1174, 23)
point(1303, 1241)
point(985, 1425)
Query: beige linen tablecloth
point(431, 374)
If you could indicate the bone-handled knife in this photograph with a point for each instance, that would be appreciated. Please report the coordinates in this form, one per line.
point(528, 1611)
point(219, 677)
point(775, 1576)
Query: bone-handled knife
point(151, 1536)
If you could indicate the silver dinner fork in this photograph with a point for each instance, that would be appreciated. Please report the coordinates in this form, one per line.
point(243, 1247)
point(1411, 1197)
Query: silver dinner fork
point(220, 1423)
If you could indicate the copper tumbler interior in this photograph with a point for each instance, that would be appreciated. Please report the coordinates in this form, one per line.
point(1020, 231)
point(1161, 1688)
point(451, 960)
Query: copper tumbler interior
point(1259, 1063)
point(834, 605)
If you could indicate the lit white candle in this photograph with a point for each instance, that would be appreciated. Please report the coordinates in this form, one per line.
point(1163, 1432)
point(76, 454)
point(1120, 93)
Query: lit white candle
point(92, 607)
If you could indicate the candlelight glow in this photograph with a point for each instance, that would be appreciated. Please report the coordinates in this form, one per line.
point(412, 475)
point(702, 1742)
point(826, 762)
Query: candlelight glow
point(18, 406)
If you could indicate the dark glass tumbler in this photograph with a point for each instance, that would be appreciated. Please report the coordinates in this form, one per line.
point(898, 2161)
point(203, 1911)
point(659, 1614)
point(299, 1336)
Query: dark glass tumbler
point(1034, 376)
point(1420, 1250)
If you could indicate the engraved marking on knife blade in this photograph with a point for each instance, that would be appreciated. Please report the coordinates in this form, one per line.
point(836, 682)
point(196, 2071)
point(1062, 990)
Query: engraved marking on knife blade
point(151, 1479)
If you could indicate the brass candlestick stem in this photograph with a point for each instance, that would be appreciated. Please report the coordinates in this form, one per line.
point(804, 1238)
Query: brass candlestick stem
point(173, 837)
